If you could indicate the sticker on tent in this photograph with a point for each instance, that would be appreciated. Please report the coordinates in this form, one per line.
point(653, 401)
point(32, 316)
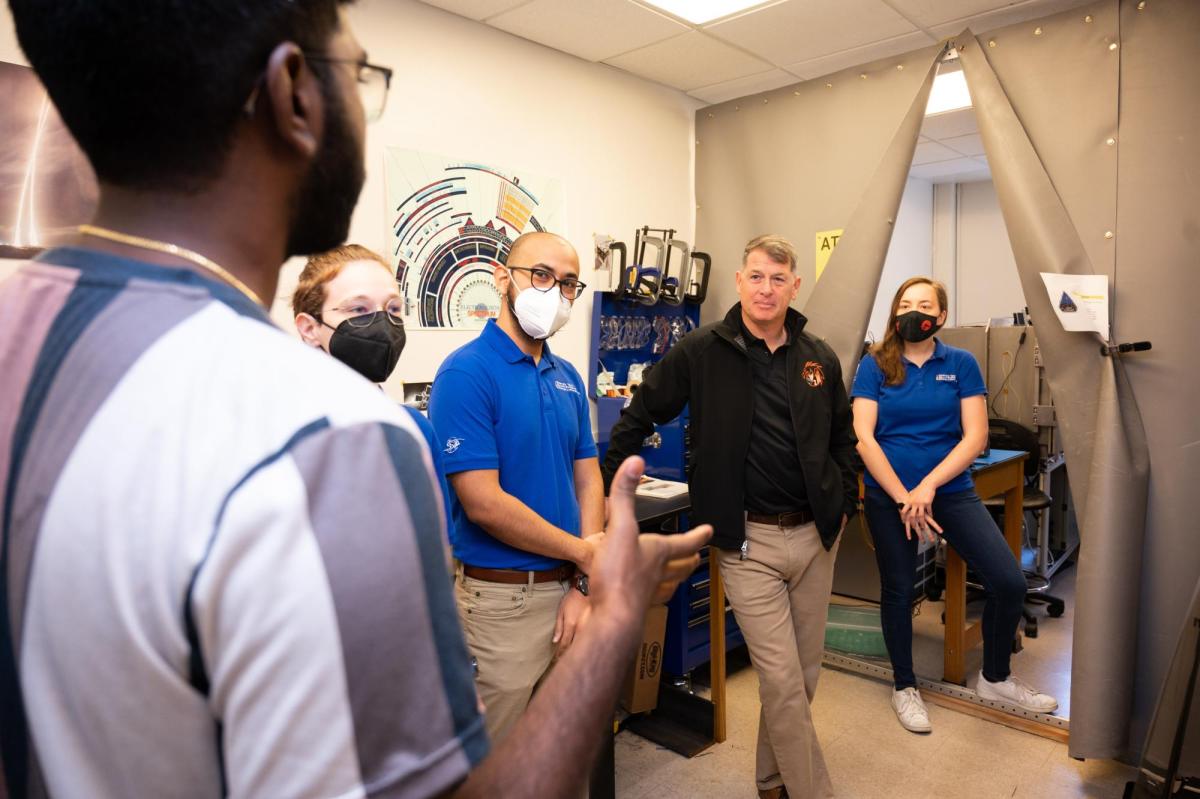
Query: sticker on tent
point(826, 242)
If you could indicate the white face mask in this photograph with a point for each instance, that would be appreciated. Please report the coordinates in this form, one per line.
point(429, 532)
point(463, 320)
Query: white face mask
point(541, 313)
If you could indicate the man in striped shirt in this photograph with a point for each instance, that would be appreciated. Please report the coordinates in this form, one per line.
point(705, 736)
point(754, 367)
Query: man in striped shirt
point(221, 558)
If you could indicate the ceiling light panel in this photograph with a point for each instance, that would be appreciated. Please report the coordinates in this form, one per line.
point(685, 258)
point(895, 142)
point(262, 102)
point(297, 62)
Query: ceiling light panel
point(698, 12)
point(949, 93)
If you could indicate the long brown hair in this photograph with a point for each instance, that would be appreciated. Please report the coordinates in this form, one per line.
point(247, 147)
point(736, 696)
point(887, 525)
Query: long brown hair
point(888, 352)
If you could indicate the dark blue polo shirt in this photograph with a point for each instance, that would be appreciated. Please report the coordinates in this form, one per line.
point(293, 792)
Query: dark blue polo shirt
point(494, 408)
point(920, 420)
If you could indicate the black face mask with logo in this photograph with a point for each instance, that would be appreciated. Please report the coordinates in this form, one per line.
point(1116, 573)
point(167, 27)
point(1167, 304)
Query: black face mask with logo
point(915, 326)
point(371, 348)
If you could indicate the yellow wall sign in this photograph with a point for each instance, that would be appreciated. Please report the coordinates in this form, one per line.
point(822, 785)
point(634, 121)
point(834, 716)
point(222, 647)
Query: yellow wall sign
point(826, 241)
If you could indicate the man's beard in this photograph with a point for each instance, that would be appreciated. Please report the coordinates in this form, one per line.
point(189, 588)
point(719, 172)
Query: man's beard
point(325, 202)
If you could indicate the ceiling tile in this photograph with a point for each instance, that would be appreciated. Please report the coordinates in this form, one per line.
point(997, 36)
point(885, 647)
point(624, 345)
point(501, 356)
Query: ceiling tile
point(928, 13)
point(690, 61)
point(958, 170)
point(1009, 15)
point(799, 30)
point(475, 9)
point(950, 124)
point(931, 152)
point(591, 29)
point(732, 89)
point(971, 144)
point(825, 65)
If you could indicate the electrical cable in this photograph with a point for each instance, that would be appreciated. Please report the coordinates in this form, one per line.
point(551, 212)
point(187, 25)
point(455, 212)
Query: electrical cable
point(1008, 375)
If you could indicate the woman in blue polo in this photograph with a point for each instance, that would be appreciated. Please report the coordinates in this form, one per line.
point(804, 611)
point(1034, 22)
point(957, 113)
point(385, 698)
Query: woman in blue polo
point(920, 414)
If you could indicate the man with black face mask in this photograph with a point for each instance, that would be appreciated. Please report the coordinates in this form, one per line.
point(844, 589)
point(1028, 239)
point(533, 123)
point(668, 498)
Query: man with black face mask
point(347, 303)
point(216, 545)
point(517, 447)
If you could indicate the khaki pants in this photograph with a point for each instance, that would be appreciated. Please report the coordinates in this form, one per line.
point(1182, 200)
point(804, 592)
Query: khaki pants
point(780, 596)
point(509, 631)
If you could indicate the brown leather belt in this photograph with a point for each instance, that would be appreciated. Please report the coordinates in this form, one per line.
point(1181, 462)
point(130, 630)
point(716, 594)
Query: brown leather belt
point(792, 519)
point(514, 577)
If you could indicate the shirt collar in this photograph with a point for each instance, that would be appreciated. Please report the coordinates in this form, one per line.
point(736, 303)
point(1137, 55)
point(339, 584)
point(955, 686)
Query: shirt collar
point(939, 353)
point(753, 341)
point(507, 349)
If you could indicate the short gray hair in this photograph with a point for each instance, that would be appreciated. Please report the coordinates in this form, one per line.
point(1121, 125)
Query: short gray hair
point(777, 248)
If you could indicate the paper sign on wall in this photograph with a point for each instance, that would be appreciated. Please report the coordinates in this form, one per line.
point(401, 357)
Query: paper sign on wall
point(826, 241)
point(1079, 301)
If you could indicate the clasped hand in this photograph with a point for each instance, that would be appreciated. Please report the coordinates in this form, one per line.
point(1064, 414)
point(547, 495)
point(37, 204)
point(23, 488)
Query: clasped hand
point(916, 511)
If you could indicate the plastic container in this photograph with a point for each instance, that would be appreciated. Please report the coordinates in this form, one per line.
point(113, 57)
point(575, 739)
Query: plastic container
point(855, 630)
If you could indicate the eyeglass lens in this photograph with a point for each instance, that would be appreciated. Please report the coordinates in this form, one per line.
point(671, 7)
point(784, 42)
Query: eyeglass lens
point(544, 280)
point(372, 86)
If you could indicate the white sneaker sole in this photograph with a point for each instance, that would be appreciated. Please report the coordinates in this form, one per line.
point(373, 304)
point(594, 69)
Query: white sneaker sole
point(1007, 701)
point(914, 728)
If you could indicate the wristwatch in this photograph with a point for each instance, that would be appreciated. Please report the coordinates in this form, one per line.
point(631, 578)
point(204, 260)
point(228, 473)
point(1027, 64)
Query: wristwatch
point(581, 583)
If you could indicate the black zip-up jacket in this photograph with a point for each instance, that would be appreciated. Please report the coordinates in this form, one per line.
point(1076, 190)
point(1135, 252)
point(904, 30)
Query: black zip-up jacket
point(710, 369)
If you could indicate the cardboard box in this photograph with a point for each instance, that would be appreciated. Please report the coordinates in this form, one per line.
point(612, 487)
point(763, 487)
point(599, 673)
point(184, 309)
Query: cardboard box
point(640, 691)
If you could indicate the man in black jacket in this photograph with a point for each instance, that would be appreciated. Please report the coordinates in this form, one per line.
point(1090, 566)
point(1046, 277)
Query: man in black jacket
point(771, 471)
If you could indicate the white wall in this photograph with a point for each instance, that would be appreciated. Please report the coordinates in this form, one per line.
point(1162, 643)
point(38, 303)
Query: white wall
point(909, 254)
point(620, 146)
point(986, 277)
point(9, 50)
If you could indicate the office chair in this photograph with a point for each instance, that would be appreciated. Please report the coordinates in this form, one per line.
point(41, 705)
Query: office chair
point(1007, 434)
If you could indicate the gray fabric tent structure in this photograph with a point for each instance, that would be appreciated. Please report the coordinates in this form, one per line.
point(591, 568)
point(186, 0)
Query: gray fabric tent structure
point(1089, 122)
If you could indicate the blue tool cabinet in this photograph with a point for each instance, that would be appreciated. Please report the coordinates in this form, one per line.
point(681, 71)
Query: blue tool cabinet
point(642, 334)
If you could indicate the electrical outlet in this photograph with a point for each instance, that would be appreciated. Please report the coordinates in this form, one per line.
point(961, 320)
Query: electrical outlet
point(1037, 356)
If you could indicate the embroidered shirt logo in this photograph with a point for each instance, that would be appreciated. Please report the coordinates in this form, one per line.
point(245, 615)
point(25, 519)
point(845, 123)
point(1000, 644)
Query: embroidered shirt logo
point(813, 374)
point(561, 386)
point(947, 378)
point(452, 445)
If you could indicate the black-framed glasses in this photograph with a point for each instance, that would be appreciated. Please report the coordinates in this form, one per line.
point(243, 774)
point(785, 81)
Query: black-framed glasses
point(543, 279)
point(361, 314)
point(373, 82)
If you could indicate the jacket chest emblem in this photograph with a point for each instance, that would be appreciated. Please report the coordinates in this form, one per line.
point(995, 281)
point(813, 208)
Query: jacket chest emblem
point(813, 374)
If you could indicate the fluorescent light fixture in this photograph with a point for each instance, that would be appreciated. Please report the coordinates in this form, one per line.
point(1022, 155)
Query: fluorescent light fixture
point(700, 11)
point(949, 93)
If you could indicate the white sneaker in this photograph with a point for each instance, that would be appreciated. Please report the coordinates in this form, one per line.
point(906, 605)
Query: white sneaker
point(1015, 692)
point(910, 710)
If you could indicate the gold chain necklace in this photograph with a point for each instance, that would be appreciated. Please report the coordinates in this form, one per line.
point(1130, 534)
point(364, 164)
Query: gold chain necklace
point(178, 252)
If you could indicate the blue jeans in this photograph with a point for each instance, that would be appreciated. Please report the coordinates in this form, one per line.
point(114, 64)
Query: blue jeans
point(969, 528)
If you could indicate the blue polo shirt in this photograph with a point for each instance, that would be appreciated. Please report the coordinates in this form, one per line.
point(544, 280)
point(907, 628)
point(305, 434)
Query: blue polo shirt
point(435, 453)
point(920, 420)
point(494, 408)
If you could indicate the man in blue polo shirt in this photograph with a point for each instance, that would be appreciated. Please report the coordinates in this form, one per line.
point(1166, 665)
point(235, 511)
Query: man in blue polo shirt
point(512, 420)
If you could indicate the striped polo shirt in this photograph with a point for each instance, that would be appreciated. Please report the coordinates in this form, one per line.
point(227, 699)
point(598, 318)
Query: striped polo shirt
point(222, 563)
